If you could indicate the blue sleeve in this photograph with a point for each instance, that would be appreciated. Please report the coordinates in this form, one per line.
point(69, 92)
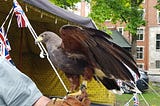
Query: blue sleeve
point(16, 89)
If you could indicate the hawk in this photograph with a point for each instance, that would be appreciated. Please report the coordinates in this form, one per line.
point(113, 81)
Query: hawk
point(88, 52)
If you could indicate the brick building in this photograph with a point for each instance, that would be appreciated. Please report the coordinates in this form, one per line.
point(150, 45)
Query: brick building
point(148, 40)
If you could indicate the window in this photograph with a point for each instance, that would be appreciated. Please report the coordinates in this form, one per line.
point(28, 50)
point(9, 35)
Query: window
point(110, 27)
point(158, 17)
point(143, 1)
point(140, 34)
point(158, 41)
point(108, 20)
point(157, 63)
point(140, 65)
point(142, 13)
point(140, 52)
point(120, 30)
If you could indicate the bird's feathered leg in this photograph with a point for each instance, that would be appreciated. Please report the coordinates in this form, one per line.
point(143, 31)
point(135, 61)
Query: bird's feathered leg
point(74, 81)
point(87, 76)
point(82, 95)
point(82, 89)
point(83, 85)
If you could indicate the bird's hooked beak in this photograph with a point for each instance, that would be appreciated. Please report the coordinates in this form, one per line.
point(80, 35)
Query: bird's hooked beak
point(38, 39)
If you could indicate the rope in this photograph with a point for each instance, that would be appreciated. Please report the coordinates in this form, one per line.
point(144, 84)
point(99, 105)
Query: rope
point(7, 16)
point(137, 92)
point(151, 88)
point(144, 99)
point(58, 74)
point(9, 24)
point(42, 48)
point(127, 104)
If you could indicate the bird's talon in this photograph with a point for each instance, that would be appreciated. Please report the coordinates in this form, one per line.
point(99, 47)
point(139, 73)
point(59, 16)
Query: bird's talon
point(68, 92)
point(83, 87)
point(76, 93)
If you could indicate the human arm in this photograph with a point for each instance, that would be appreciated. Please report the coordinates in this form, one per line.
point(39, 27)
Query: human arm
point(17, 89)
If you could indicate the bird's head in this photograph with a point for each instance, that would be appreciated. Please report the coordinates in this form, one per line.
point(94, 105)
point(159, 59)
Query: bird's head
point(43, 37)
point(49, 37)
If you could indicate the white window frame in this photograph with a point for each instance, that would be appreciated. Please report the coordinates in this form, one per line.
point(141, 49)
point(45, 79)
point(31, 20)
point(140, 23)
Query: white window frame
point(108, 20)
point(110, 27)
point(122, 30)
point(140, 52)
point(143, 1)
point(143, 15)
point(158, 16)
point(140, 33)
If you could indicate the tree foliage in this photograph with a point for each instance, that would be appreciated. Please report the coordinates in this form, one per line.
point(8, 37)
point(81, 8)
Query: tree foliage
point(66, 3)
point(158, 5)
point(127, 11)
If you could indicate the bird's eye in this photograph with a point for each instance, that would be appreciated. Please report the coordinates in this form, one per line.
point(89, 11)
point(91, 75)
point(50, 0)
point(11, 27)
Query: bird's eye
point(43, 35)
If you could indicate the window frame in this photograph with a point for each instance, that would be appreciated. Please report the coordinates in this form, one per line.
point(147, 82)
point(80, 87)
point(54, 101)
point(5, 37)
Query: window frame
point(158, 16)
point(143, 1)
point(119, 30)
point(141, 52)
point(108, 20)
point(140, 64)
point(140, 33)
point(158, 64)
point(157, 40)
point(144, 13)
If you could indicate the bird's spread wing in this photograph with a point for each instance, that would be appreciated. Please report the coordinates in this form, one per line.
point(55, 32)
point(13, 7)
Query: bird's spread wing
point(101, 52)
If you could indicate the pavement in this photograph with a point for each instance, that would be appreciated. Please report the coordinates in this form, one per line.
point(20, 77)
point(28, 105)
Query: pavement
point(154, 78)
point(154, 75)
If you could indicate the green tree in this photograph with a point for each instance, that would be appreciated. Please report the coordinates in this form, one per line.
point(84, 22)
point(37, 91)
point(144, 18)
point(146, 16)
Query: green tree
point(158, 4)
point(66, 3)
point(125, 11)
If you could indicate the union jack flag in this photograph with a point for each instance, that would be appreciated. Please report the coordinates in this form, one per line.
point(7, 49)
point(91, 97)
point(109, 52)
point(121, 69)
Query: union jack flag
point(119, 82)
point(135, 99)
point(4, 45)
point(21, 17)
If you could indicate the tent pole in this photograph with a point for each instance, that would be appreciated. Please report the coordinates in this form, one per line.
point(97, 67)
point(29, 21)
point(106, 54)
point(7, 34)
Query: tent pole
point(20, 49)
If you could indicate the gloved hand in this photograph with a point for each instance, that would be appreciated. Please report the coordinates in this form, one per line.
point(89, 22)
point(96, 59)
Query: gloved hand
point(79, 100)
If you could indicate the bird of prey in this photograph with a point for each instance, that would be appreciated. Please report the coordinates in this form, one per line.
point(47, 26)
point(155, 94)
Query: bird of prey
point(90, 53)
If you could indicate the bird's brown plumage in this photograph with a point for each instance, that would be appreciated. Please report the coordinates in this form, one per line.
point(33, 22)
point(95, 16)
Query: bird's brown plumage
point(101, 52)
point(89, 52)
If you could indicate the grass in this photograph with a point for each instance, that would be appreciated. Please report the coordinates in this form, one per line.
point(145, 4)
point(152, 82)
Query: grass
point(150, 96)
